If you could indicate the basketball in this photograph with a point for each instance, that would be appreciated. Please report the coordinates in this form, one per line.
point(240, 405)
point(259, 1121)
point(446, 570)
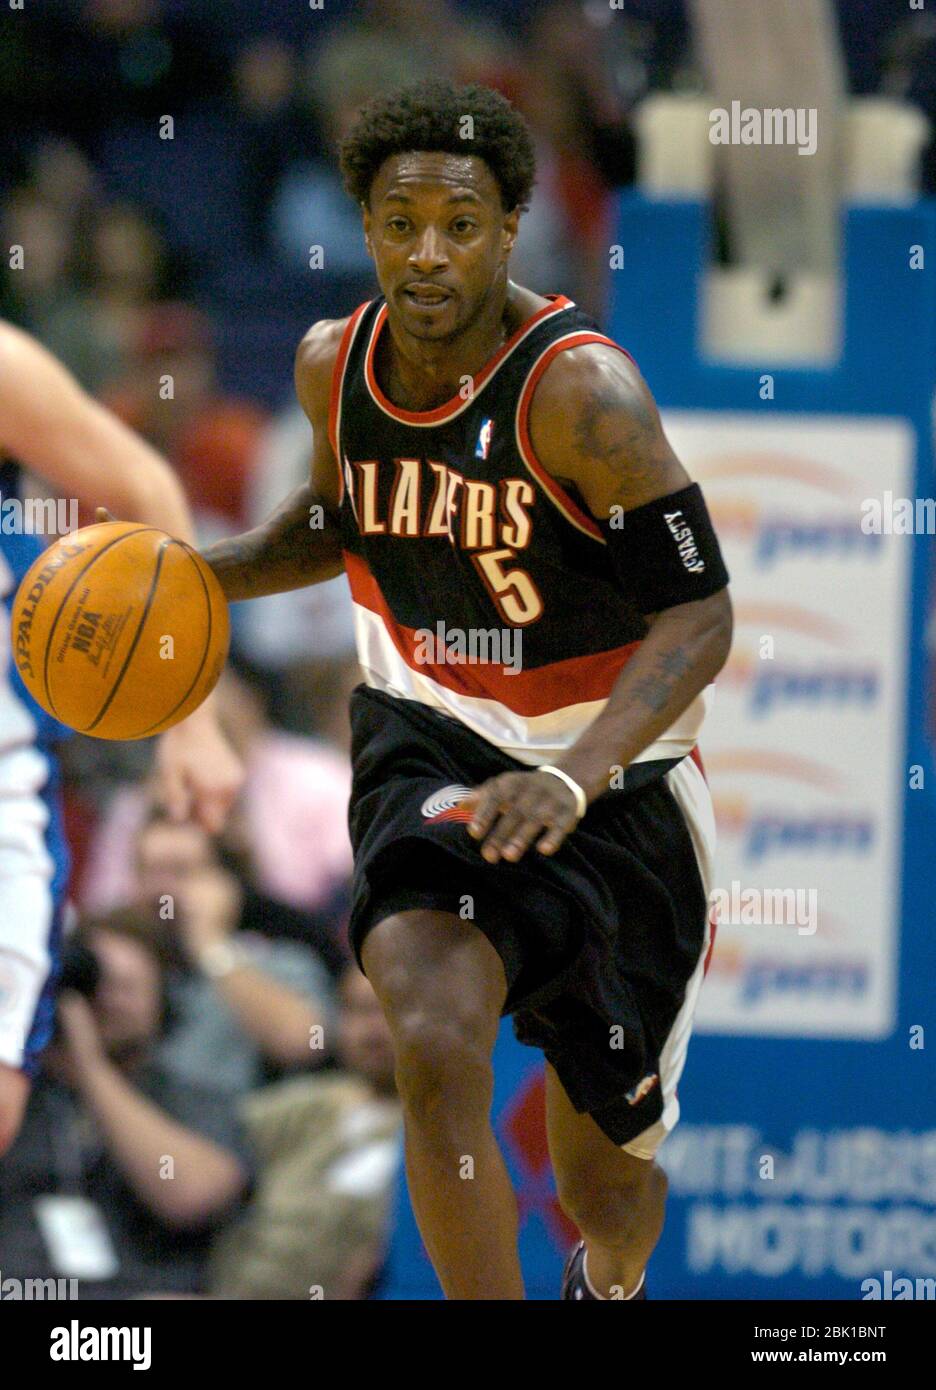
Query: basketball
point(120, 631)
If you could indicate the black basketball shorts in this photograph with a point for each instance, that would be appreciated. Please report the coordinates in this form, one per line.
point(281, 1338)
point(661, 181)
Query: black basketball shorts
point(604, 944)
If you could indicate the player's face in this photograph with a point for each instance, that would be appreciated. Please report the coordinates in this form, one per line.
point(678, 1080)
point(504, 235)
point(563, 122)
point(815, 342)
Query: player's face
point(440, 240)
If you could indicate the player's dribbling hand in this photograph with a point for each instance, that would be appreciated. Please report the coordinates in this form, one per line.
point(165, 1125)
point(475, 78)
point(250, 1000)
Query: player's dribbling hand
point(510, 811)
point(198, 774)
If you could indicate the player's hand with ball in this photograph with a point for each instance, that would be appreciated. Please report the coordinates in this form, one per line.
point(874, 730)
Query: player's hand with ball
point(198, 774)
point(120, 631)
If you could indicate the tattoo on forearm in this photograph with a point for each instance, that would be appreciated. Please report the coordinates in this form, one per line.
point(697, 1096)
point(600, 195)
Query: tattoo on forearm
point(656, 688)
point(283, 553)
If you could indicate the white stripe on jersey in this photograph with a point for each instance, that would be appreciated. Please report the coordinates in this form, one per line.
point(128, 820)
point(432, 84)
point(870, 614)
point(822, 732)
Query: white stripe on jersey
point(531, 740)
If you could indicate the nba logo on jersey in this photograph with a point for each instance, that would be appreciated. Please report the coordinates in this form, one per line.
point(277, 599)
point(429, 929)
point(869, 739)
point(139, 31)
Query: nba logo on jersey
point(484, 439)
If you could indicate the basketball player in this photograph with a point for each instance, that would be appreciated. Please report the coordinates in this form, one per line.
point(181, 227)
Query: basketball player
point(530, 838)
point(82, 451)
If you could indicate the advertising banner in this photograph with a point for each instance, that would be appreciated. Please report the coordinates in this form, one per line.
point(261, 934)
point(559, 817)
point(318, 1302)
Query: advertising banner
point(804, 745)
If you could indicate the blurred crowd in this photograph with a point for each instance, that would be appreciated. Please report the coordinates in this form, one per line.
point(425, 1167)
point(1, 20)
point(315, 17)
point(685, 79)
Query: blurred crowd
point(219, 206)
point(168, 266)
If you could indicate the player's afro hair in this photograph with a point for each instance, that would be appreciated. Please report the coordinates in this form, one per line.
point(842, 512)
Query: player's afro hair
point(431, 116)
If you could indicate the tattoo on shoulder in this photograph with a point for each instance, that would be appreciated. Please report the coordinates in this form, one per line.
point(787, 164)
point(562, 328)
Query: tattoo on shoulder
point(614, 434)
point(622, 435)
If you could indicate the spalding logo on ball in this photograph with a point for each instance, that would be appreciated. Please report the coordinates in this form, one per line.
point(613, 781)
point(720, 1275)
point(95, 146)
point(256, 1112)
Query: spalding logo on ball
point(119, 631)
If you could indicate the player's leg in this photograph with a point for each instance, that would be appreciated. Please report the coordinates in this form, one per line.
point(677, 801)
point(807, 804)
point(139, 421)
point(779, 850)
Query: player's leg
point(616, 1199)
point(615, 1194)
point(442, 987)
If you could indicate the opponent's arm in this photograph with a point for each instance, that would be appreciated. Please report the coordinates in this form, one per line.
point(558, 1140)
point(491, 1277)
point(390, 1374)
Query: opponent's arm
point(595, 428)
point(72, 442)
point(56, 430)
point(300, 543)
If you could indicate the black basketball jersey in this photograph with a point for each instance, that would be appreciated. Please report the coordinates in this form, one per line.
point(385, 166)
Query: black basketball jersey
point(481, 587)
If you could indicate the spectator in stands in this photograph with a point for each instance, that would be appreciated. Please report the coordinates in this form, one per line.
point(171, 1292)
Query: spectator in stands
point(89, 276)
point(123, 268)
point(273, 127)
point(909, 74)
point(311, 207)
point(289, 829)
point(62, 173)
point(248, 1009)
point(286, 839)
point(577, 103)
point(37, 268)
point(387, 44)
point(134, 60)
point(443, 36)
point(328, 1152)
point(121, 1170)
point(171, 396)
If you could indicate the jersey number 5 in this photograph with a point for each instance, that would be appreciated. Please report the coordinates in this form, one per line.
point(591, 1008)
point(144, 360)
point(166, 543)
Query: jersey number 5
point(515, 595)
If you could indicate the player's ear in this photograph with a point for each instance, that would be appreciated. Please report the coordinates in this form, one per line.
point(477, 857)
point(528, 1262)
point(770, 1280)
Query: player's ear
point(365, 212)
point(509, 231)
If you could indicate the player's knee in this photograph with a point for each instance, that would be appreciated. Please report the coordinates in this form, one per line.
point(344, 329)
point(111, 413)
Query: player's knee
point(14, 1090)
point(399, 987)
point(444, 1071)
point(608, 1205)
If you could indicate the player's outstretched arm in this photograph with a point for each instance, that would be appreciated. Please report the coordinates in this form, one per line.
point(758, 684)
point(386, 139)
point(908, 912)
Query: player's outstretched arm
point(595, 428)
point(79, 448)
point(300, 543)
point(50, 425)
point(297, 545)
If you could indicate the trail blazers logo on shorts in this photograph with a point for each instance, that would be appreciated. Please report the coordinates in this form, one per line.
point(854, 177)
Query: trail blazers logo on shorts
point(443, 804)
point(642, 1089)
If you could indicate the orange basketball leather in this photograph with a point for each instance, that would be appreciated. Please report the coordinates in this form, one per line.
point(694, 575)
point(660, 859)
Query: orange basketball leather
point(120, 631)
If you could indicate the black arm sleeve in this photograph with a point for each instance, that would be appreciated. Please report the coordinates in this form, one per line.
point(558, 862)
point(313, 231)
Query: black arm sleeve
point(666, 552)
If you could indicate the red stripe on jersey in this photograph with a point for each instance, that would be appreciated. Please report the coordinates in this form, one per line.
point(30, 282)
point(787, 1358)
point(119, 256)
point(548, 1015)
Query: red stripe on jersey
point(442, 412)
point(334, 399)
point(713, 926)
point(696, 757)
point(554, 490)
point(528, 693)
